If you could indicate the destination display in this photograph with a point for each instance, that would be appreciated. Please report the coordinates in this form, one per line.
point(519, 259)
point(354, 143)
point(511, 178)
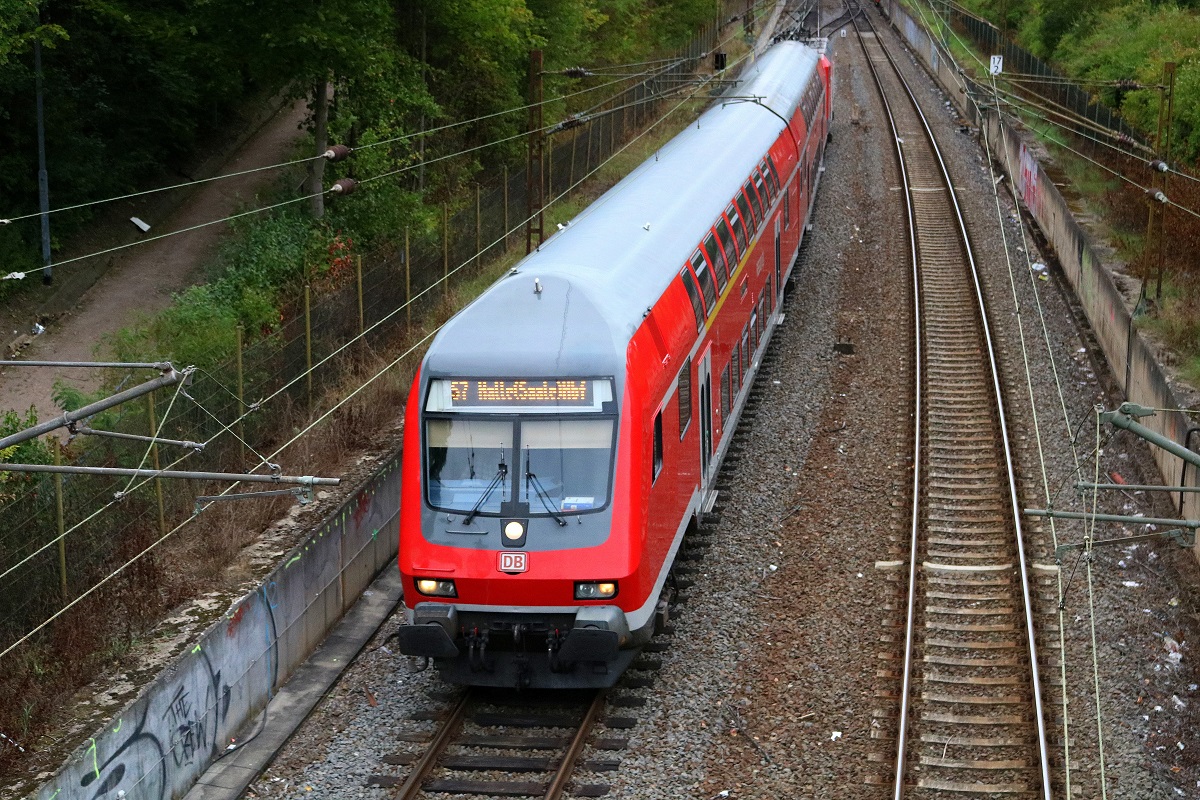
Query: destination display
point(516, 395)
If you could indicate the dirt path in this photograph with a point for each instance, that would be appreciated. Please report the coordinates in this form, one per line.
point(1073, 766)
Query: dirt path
point(141, 280)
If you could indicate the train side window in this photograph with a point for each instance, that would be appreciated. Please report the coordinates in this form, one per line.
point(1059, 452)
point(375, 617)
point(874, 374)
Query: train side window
point(658, 444)
point(744, 207)
point(736, 363)
point(764, 191)
point(772, 173)
point(755, 205)
point(726, 239)
point(685, 397)
point(689, 284)
point(717, 258)
point(704, 275)
point(787, 208)
point(746, 347)
point(739, 230)
point(725, 393)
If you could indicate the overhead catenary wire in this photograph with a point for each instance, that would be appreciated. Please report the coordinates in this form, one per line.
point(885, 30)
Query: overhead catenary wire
point(1115, 173)
point(969, 48)
point(305, 160)
point(300, 199)
point(1037, 428)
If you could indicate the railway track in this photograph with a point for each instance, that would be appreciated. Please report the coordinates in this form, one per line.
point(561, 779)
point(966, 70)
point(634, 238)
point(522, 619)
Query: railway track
point(509, 744)
point(970, 719)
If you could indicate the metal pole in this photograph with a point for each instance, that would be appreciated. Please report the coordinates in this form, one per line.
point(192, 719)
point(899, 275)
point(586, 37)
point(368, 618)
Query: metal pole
point(445, 251)
point(162, 366)
point(241, 389)
point(43, 175)
point(407, 278)
point(302, 480)
point(1169, 82)
point(506, 208)
point(61, 519)
point(158, 489)
point(1137, 487)
point(362, 319)
point(1049, 512)
point(478, 223)
point(533, 175)
point(1123, 418)
point(172, 377)
point(308, 341)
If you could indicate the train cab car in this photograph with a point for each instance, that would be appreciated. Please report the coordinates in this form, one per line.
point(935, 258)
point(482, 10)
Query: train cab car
point(564, 429)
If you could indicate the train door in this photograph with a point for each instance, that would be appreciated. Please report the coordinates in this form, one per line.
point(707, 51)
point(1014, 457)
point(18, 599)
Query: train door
point(704, 386)
point(778, 256)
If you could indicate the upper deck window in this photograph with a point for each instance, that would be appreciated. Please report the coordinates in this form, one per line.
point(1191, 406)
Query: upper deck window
point(727, 244)
point(739, 230)
point(718, 261)
point(764, 191)
point(744, 207)
point(771, 174)
point(755, 203)
point(704, 276)
point(689, 284)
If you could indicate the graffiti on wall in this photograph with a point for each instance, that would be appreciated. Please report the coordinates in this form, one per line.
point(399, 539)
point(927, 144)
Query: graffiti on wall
point(160, 745)
point(1028, 183)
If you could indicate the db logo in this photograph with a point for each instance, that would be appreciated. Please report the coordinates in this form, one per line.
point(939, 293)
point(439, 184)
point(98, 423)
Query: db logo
point(513, 562)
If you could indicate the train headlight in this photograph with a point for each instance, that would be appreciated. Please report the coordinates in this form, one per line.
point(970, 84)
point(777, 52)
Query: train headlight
point(595, 591)
point(514, 530)
point(436, 587)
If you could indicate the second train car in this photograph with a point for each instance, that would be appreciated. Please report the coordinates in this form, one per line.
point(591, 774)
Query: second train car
point(565, 428)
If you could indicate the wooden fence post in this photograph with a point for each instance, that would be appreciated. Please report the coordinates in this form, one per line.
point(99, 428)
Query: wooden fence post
point(407, 278)
point(62, 528)
point(362, 319)
point(241, 389)
point(308, 358)
point(158, 489)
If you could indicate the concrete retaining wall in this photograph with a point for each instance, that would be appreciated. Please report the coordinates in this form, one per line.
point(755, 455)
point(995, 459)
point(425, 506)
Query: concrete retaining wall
point(179, 724)
point(1132, 362)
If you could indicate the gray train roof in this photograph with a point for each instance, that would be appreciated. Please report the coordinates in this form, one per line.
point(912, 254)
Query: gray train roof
point(600, 273)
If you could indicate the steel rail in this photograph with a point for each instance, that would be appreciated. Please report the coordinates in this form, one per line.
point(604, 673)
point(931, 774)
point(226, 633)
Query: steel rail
point(1014, 505)
point(445, 735)
point(918, 349)
point(567, 766)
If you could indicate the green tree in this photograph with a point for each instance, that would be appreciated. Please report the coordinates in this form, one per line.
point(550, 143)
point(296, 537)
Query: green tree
point(309, 45)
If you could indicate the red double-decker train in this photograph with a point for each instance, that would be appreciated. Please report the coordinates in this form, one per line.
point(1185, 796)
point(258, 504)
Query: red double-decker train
point(565, 428)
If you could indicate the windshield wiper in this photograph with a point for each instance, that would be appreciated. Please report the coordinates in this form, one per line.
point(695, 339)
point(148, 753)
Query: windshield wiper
point(542, 494)
point(501, 472)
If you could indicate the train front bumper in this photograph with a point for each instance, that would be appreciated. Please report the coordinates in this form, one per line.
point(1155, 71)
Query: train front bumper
point(585, 634)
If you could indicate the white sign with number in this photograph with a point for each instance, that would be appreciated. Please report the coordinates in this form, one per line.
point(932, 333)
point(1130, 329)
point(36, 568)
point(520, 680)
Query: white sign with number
point(997, 65)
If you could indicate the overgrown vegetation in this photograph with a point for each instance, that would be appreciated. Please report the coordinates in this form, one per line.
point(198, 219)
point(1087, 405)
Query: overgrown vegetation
point(1116, 51)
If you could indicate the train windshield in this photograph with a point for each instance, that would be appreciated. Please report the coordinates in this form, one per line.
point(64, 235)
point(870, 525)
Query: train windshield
point(469, 463)
point(508, 447)
point(564, 464)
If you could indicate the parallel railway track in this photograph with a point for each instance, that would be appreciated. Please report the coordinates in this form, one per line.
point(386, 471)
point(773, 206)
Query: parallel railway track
point(970, 719)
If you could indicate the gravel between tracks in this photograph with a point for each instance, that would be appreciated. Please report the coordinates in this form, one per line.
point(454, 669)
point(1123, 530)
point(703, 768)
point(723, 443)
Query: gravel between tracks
point(768, 688)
